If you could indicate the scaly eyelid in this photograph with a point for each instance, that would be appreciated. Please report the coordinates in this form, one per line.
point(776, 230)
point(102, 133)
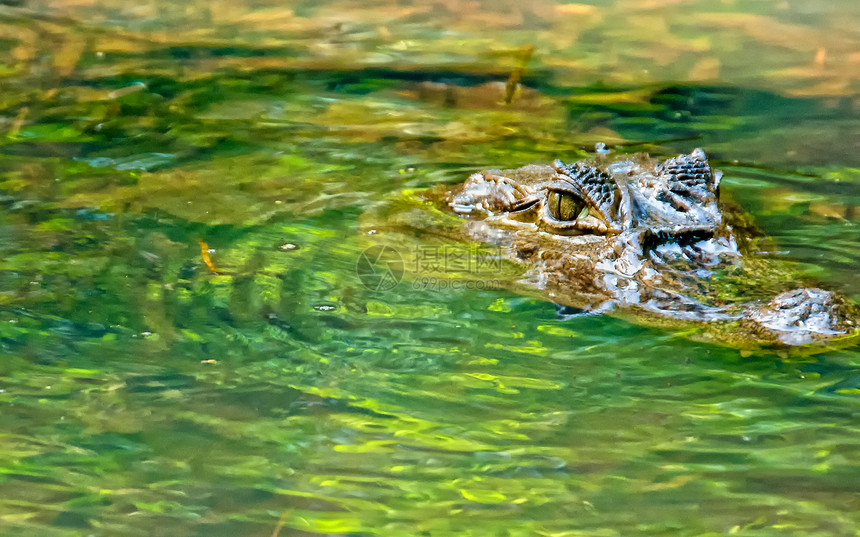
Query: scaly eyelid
point(524, 204)
point(566, 187)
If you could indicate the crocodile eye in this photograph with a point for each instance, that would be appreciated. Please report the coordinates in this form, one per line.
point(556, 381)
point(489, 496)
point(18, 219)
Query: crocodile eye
point(565, 207)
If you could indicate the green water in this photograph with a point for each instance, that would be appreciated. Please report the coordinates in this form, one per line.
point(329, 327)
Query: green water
point(143, 394)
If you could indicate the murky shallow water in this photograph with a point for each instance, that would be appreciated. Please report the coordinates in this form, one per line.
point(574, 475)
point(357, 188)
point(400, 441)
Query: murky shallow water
point(144, 395)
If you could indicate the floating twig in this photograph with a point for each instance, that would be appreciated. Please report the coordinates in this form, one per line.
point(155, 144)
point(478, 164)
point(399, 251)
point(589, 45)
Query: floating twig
point(281, 522)
point(517, 73)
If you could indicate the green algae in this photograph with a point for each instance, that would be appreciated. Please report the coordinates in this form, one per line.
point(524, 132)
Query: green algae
point(142, 394)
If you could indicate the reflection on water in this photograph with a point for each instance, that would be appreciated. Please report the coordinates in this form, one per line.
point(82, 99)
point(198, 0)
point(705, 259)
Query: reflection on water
point(144, 391)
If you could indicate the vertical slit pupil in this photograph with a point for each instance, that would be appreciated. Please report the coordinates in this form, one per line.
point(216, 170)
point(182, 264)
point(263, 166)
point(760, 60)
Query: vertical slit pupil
point(565, 207)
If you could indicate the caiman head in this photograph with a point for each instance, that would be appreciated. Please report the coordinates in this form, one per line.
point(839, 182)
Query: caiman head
point(636, 195)
point(637, 235)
